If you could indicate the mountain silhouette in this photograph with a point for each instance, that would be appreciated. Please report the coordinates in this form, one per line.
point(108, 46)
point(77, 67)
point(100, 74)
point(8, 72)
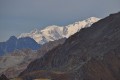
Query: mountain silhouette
point(22, 43)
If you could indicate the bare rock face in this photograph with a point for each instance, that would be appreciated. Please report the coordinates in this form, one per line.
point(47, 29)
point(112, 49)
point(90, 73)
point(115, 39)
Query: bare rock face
point(49, 46)
point(91, 54)
point(106, 69)
point(3, 77)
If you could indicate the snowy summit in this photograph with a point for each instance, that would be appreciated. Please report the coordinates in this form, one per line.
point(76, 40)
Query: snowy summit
point(54, 32)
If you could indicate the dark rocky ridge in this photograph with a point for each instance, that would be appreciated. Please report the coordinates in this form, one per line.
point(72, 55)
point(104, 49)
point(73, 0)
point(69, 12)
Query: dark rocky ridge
point(3, 77)
point(91, 54)
point(49, 46)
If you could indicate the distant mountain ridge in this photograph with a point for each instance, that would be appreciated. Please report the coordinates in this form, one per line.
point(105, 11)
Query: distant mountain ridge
point(91, 54)
point(22, 43)
point(14, 63)
point(54, 32)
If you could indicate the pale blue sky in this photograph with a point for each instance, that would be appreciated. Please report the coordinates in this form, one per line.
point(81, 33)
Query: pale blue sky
point(20, 16)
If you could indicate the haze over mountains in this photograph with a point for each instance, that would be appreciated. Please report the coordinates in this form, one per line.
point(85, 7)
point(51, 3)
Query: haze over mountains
point(43, 36)
point(91, 54)
point(18, 44)
point(21, 49)
point(14, 63)
point(54, 32)
point(59, 40)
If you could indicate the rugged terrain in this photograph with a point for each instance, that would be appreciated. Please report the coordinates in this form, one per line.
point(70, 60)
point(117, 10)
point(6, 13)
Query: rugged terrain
point(14, 63)
point(91, 54)
point(54, 32)
point(3, 77)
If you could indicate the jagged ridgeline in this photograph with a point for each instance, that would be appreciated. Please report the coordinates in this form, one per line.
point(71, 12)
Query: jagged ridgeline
point(13, 44)
point(54, 32)
point(91, 54)
point(12, 64)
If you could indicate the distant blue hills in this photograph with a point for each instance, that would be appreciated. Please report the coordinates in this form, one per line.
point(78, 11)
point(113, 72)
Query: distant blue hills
point(22, 43)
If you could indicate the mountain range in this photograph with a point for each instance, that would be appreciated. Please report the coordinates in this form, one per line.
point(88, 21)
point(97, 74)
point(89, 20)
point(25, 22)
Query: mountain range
point(74, 52)
point(18, 44)
point(54, 32)
point(42, 36)
point(14, 63)
point(93, 53)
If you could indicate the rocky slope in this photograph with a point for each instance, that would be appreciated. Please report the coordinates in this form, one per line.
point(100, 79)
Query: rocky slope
point(54, 32)
point(91, 54)
point(14, 63)
point(3, 77)
point(22, 43)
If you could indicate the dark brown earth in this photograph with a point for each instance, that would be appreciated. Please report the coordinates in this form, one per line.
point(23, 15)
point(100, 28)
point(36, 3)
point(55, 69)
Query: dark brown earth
point(91, 54)
point(3, 77)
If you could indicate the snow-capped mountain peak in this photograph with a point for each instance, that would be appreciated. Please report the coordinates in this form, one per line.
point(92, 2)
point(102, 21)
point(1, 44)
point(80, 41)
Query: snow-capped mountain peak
point(55, 32)
point(92, 19)
point(34, 31)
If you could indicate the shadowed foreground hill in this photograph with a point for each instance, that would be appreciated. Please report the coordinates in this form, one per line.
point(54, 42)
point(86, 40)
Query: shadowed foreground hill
point(91, 54)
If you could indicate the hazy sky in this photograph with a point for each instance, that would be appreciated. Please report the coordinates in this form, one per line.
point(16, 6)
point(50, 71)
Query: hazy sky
point(18, 16)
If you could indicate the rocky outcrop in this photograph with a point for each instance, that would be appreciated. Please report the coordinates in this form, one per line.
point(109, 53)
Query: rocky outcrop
point(91, 54)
